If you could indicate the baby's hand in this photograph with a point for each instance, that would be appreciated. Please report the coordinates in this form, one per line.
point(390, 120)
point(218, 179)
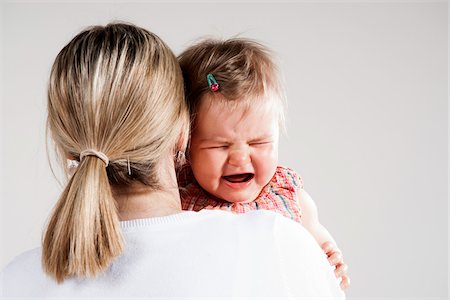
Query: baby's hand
point(335, 258)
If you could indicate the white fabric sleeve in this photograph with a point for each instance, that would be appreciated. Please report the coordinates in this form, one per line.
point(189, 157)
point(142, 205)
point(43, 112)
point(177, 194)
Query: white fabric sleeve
point(303, 263)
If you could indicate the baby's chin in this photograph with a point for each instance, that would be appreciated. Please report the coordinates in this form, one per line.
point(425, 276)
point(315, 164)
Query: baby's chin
point(245, 195)
point(238, 198)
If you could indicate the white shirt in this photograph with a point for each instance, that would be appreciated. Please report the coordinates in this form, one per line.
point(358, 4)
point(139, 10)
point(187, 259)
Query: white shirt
point(214, 254)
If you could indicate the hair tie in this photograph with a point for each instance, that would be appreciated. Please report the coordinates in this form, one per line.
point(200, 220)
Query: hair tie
point(212, 83)
point(92, 152)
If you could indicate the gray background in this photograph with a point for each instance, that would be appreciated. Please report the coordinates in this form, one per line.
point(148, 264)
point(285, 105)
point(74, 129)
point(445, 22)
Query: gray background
point(367, 119)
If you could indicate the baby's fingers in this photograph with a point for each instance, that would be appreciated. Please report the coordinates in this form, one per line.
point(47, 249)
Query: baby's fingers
point(335, 258)
point(341, 270)
point(345, 282)
point(328, 248)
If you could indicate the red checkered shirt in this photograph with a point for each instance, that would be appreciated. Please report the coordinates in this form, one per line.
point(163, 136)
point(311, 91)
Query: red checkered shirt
point(279, 195)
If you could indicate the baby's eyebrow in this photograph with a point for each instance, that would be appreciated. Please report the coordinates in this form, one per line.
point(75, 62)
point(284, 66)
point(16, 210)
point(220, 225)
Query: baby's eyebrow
point(261, 138)
point(216, 139)
point(213, 139)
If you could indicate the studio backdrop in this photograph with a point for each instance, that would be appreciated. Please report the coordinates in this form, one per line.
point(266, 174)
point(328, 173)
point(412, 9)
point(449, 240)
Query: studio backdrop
point(367, 87)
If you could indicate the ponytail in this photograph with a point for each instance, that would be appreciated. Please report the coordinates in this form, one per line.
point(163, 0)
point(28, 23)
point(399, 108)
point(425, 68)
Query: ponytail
point(83, 235)
point(116, 89)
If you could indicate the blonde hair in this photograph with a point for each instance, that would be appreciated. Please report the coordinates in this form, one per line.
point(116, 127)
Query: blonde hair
point(117, 89)
point(244, 69)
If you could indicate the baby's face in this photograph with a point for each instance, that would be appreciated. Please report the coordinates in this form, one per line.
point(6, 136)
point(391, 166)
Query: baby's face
point(234, 153)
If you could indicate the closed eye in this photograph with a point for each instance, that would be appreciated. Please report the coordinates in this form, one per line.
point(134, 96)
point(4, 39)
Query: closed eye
point(217, 147)
point(260, 143)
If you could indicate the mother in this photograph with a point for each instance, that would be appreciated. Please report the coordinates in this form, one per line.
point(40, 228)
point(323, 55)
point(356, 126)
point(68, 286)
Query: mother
point(116, 105)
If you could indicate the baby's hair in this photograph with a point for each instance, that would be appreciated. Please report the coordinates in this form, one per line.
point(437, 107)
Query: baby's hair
point(244, 69)
point(116, 89)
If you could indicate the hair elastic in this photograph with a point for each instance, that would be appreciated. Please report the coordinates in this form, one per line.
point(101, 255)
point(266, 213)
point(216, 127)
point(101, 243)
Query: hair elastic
point(212, 82)
point(92, 152)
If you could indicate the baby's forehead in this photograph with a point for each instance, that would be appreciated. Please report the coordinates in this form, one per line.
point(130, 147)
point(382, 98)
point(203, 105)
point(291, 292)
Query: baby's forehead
point(235, 126)
point(238, 120)
point(259, 105)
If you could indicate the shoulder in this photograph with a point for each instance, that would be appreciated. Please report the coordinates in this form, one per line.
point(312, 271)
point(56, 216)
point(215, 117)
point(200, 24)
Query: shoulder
point(289, 177)
point(251, 219)
point(25, 261)
point(294, 234)
point(283, 230)
point(23, 276)
point(257, 223)
point(269, 225)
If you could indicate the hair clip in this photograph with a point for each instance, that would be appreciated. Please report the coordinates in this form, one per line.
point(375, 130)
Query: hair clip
point(212, 83)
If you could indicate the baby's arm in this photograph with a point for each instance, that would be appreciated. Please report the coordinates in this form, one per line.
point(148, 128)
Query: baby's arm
point(310, 220)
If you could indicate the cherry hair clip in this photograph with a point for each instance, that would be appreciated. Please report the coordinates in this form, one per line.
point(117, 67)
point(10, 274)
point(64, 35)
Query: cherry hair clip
point(212, 83)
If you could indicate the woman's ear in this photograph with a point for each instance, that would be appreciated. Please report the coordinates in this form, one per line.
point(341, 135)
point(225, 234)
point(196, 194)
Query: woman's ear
point(70, 157)
point(182, 146)
point(183, 139)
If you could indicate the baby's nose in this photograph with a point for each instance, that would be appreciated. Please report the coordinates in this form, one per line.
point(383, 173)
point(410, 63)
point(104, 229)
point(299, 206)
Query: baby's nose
point(238, 158)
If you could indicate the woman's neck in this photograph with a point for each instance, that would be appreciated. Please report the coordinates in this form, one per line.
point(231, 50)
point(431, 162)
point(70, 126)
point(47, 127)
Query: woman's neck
point(143, 202)
point(138, 201)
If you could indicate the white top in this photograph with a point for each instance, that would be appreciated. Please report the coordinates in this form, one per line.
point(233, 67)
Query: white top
point(195, 254)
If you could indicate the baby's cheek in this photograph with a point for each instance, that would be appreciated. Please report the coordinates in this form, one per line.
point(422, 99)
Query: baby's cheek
point(202, 166)
point(214, 160)
point(266, 166)
point(270, 156)
point(209, 166)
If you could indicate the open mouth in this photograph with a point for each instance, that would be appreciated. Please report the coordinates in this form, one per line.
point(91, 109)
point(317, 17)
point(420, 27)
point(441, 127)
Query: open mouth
point(239, 178)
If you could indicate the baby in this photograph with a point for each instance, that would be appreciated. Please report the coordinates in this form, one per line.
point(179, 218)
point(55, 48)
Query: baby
point(236, 101)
